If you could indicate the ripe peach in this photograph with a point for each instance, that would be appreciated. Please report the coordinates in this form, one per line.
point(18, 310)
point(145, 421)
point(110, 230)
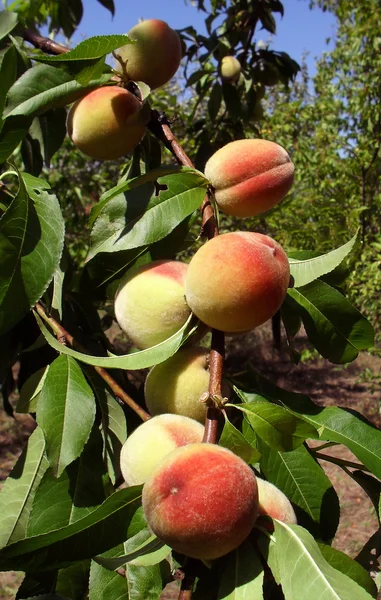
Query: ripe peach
point(156, 55)
point(150, 303)
point(152, 441)
point(175, 385)
point(230, 69)
point(273, 502)
point(107, 123)
point(249, 176)
point(237, 281)
point(201, 500)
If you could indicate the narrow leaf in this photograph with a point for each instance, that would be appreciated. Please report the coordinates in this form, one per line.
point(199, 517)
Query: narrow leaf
point(306, 271)
point(242, 577)
point(31, 242)
point(137, 360)
point(104, 528)
point(65, 412)
point(304, 573)
point(17, 494)
point(8, 21)
point(235, 441)
point(335, 327)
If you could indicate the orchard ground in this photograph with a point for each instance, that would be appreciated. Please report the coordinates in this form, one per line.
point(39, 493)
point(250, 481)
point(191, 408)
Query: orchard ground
point(356, 386)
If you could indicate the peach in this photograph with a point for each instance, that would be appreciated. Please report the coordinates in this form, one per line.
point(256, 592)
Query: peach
point(150, 303)
point(201, 500)
point(107, 123)
point(152, 441)
point(237, 281)
point(274, 503)
point(249, 176)
point(230, 69)
point(155, 56)
point(176, 385)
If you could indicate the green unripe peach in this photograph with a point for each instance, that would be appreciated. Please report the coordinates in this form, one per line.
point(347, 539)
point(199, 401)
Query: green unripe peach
point(237, 281)
point(249, 176)
point(107, 123)
point(201, 500)
point(230, 69)
point(176, 385)
point(156, 55)
point(274, 503)
point(152, 441)
point(150, 303)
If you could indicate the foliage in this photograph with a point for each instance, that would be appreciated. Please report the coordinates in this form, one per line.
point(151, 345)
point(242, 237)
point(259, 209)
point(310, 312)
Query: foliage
point(66, 520)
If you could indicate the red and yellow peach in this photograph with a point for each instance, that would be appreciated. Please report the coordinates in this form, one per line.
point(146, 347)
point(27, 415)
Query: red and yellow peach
point(201, 500)
point(249, 176)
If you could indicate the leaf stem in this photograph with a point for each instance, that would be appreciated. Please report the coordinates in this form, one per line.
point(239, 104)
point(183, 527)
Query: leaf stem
point(6, 173)
point(64, 337)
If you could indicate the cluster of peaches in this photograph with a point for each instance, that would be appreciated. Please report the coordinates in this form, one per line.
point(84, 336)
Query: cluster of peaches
point(199, 498)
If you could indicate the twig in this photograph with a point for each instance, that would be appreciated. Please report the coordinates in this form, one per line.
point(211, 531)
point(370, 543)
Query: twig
point(339, 461)
point(64, 337)
point(44, 43)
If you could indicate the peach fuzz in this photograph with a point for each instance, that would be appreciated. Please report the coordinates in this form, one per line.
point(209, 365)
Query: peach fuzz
point(156, 55)
point(107, 123)
point(230, 69)
point(152, 441)
point(249, 176)
point(150, 303)
point(274, 503)
point(176, 385)
point(237, 281)
point(201, 500)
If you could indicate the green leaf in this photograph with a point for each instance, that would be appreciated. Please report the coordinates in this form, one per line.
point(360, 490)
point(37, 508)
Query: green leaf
point(232, 100)
point(144, 582)
point(333, 423)
point(8, 72)
point(105, 584)
point(137, 360)
point(31, 243)
point(75, 494)
point(214, 102)
point(30, 391)
point(73, 582)
point(235, 441)
point(44, 87)
point(104, 528)
point(124, 186)
point(18, 491)
point(343, 563)
point(114, 427)
point(242, 577)
point(109, 4)
point(13, 131)
point(306, 271)
point(8, 21)
point(90, 49)
point(304, 573)
point(86, 61)
point(298, 475)
point(147, 547)
point(277, 426)
point(49, 130)
point(335, 327)
point(65, 412)
point(152, 218)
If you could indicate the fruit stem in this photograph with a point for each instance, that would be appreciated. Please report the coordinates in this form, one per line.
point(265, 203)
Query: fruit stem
point(64, 337)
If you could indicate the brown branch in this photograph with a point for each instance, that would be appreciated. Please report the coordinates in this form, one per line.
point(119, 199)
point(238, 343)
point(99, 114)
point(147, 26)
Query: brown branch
point(159, 125)
point(339, 461)
point(64, 337)
point(43, 43)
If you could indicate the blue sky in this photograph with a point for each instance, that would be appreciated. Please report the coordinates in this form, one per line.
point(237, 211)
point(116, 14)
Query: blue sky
point(299, 31)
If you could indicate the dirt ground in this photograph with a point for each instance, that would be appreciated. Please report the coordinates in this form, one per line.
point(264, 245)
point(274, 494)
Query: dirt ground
point(356, 386)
